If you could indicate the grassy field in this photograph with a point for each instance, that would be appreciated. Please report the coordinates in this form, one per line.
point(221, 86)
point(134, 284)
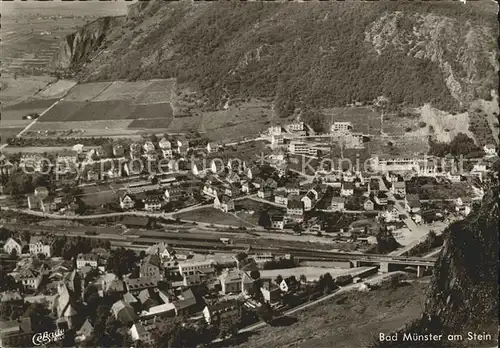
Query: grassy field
point(16, 89)
point(95, 196)
point(6, 133)
point(212, 216)
point(363, 119)
point(249, 210)
point(245, 119)
point(349, 320)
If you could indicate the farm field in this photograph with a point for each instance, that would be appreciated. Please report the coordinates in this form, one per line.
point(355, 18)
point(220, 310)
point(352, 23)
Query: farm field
point(86, 91)
point(212, 216)
point(87, 126)
point(77, 111)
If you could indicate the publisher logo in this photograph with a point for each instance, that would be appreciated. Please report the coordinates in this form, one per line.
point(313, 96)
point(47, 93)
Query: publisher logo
point(47, 337)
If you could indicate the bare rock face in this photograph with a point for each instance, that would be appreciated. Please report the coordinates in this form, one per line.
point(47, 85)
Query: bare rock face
point(461, 50)
point(79, 47)
point(464, 290)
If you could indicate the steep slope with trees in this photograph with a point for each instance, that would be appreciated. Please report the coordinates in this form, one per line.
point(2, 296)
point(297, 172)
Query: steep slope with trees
point(314, 54)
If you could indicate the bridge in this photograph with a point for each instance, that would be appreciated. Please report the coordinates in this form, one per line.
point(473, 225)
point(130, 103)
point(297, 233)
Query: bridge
point(389, 263)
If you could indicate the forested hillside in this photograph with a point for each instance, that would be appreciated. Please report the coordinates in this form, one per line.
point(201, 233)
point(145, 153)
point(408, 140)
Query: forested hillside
point(319, 54)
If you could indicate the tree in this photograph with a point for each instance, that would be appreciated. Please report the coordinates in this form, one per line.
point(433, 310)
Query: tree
point(278, 279)
point(303, 279)
point(264, 219)
point(265, 313)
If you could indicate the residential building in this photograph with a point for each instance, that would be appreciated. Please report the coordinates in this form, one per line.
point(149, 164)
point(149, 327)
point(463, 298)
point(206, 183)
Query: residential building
point(224, 203)
point(30, 279)
point(136, 285)
point(265, 193)
point(296, 126)
point(230, 282)
point(123, 312)
point(490, 149)
point(139, 333)
point(337, 204)
point(127, 201)
point(150, 266)
point(270, 292)
point(85, 332)
point(295, 207)
point(412, 203)
point(453, 177)
point(381, 198)
point(289, 284)
point(368, 205)
point(210, 190)
point(308, 200)
point(417, 218)
point(390, 213)
point(233, 178)
point(274, 130)
point(13, 244)
point(394, 164)
point(163, 250)
point(398, 188)
point(35, 203)
point(220, 310)
point(135, 150)
point(281, 197)
point(118, 150)
point(301, 148)
point(6, 167)
point(292, 188)
point(341, 127)
point(277, 222)
point(40, 245)
point(91, 260)
point(190, 268)
point(347, 189)
point(152, 204)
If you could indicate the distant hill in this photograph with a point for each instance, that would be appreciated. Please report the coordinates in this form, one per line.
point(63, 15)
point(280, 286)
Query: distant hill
point(317, 54)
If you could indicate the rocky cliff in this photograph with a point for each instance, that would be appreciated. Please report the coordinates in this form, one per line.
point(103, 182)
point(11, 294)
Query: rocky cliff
point(442, 53)
point(81, 46)
point(463, 294)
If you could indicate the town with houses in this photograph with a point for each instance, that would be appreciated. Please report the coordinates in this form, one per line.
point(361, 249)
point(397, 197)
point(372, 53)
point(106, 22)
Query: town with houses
point(93, 285)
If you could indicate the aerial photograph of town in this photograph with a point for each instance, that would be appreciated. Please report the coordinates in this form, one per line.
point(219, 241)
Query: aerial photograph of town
point(249, 174)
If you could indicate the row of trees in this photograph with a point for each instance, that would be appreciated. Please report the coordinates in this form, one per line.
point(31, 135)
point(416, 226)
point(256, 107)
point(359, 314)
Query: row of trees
point(461, 145)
